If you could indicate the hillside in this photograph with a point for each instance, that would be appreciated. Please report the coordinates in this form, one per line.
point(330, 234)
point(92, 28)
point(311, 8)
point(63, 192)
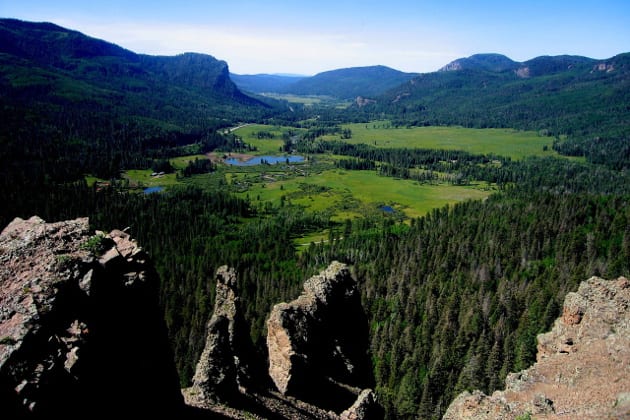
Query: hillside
point(350, 82)
point(453, 296)
point(264, 83)
point(561, 95)
point(44, 62)
point(71, 104)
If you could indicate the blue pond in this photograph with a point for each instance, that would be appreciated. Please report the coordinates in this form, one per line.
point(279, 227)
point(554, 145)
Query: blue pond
point(152, 190)
point(257, 160)
point(387, 209)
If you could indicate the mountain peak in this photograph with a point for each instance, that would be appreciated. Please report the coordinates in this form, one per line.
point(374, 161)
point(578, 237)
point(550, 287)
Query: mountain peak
point(488, 62)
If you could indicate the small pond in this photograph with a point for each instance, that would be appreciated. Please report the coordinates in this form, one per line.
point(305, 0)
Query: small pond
point(152, 190)
point(387, 209)
point(258, 160)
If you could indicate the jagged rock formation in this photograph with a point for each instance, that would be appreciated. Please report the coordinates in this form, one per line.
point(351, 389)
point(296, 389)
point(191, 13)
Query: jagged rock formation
point(317, 343)
point(582, 368)
point(224, 368)
point(227, 372)
point(80, 328)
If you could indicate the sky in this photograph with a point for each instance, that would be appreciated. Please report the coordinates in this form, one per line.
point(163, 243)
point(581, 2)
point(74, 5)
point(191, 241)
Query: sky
point(307, 37)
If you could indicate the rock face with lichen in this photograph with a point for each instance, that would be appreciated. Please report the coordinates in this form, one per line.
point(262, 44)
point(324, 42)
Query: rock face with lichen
point(80, 327)
point(582, 368)
point(318, 343)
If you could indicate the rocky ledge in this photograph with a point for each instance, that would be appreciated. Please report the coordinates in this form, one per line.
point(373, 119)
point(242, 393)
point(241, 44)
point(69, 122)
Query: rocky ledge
point(582, 369)
point(80, 328)
point(81, 336)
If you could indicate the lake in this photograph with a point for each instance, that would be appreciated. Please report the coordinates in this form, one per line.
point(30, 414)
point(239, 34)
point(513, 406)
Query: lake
point(258, 160)
point(152, 190)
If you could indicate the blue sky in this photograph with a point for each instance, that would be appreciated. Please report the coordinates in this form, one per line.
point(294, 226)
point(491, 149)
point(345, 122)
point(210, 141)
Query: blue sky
point(307, 37)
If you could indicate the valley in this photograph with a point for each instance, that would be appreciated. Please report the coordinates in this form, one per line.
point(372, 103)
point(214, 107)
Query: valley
point(467, 202)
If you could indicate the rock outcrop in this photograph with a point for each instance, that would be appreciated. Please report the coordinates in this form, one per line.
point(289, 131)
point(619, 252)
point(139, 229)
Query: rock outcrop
point(80, 328)
point(225, 366)
point(365, 407)
point(582, 368)
point(318, 343)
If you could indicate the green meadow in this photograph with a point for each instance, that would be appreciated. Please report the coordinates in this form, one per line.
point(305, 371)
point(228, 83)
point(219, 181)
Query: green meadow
point(354, 194)
point(499, 141)
point(344, 194)
point(264, 146)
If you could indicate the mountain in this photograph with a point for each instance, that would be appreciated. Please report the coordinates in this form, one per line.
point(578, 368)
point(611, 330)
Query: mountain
point(497, 63)
point(488, 62)
point(71, 104)
point(42, 62)
point(350, 82)
point(560, 95)
point(264, 83)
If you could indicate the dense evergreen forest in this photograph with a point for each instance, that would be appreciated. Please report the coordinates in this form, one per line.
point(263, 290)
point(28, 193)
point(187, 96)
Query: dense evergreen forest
point(455, 299)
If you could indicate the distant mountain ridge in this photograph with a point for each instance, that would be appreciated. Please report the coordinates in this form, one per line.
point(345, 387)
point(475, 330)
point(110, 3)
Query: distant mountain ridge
point(264, 83)
point(538, 66)
point(557, 94)
point(347, 83)
point(489, 62)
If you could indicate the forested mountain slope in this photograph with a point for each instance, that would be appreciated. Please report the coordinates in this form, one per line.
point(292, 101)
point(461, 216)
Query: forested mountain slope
point(350, 82)
point(264, 83)
point(70, 68)
point(561, 95)
point(74, 105)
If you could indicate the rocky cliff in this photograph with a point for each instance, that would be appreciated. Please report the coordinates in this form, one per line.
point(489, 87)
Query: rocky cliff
point(582, 369)
point(80, 328)
point(318, 342)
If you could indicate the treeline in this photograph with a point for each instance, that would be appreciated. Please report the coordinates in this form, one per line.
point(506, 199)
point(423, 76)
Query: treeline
point(456, 301)
point(65, 146)
point(613, 152)
point(459, 167)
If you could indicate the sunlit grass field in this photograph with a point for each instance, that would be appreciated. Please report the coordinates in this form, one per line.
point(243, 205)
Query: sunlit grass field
point(353, 194)
point(263, 146)
point(499, 141)
point(344, 194)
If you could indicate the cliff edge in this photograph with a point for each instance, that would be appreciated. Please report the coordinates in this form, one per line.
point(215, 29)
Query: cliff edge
point(80, 328)
point(582, 368)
